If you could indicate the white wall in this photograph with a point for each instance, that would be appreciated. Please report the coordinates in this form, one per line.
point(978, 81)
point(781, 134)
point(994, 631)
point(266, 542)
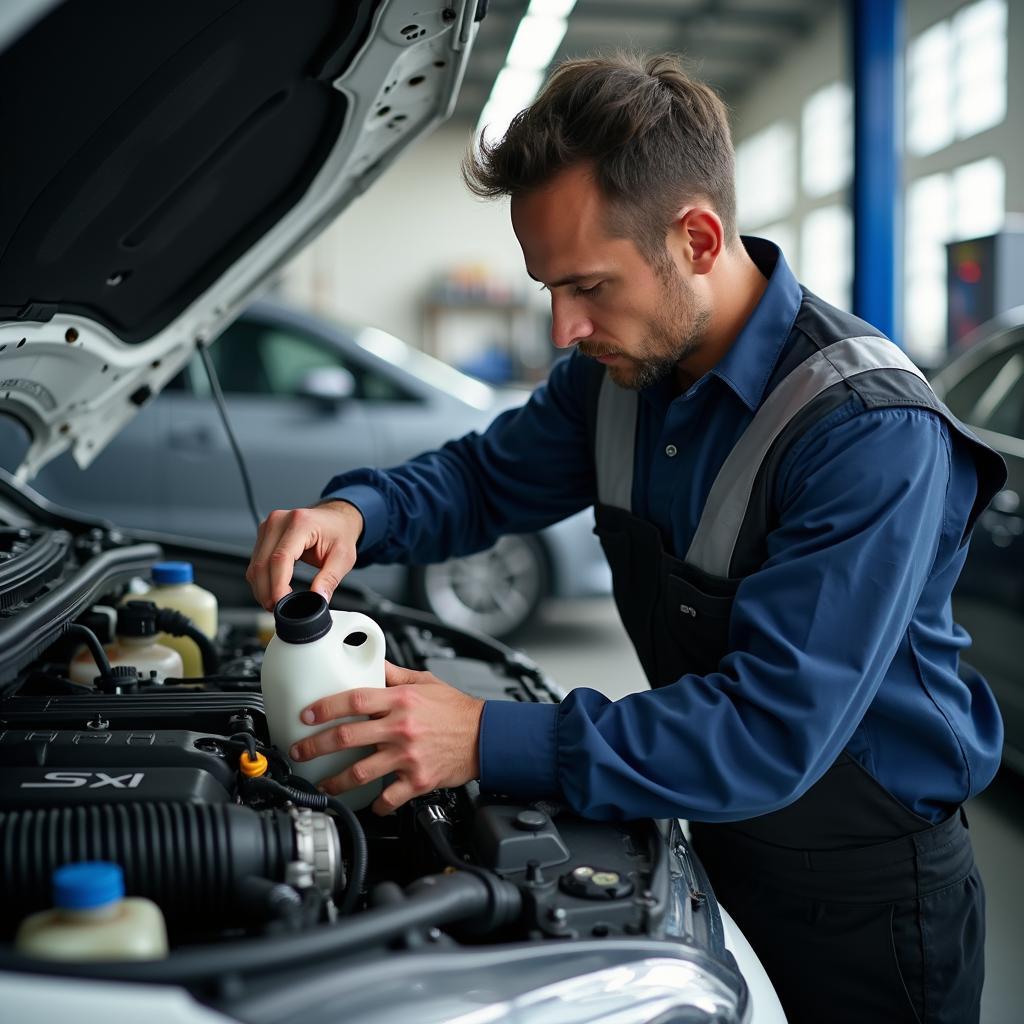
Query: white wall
point(375, 264)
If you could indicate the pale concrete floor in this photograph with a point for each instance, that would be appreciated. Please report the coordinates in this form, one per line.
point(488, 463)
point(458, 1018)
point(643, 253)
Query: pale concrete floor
point(582, 643)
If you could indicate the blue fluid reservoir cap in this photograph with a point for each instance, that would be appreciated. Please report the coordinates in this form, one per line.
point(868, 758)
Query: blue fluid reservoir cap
point(172, 572)
point(88, 884)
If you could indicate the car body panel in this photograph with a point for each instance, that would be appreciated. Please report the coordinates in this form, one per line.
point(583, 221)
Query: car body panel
point(985, 388)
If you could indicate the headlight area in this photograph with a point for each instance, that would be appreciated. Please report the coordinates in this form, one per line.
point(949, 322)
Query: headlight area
point(280, 902)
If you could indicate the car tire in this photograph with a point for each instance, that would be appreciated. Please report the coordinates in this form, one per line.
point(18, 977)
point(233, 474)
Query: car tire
point(496, 592)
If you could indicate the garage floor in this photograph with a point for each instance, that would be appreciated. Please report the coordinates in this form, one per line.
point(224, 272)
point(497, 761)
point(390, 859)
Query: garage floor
point(581, 643)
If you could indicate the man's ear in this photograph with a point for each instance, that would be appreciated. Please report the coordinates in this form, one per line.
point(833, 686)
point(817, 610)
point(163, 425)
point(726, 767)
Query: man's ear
point(699, 237)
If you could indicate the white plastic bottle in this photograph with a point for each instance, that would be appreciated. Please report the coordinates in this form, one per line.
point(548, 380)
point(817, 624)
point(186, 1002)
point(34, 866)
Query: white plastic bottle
point(93, 919)
point(173, 587)
point(135, 645)
point(315, 653)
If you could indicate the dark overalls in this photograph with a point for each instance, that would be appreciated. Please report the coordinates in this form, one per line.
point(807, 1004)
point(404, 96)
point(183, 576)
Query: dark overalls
point(859, 909)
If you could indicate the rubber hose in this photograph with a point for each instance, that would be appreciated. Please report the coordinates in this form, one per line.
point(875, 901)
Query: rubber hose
point(432, 901)
point(95, 647)
point(187, 858)
point(176, 623)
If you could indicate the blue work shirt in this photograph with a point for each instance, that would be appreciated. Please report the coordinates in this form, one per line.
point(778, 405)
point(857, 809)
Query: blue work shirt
point(843, 640)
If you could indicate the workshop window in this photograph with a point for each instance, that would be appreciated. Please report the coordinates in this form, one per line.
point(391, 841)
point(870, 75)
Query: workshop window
point(826, 254)
point(826, 140)
point(783, 235)
point(941, 208)
point(956, 77)
point(766, 175)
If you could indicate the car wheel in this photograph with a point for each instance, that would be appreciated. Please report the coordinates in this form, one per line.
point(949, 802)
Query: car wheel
point(495, 591)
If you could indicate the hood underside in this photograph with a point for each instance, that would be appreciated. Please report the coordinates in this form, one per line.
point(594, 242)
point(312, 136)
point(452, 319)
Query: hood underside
point(166, 160)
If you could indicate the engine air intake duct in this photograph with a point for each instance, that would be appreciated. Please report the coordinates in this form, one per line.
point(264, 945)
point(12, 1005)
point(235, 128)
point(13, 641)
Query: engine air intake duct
point(188, 858)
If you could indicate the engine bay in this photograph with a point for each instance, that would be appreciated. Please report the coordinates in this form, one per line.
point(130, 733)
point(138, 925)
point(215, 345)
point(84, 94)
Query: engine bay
point(257, 870)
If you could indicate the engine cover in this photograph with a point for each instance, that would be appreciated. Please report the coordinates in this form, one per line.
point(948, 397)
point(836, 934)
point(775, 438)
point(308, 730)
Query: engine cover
point(44, 768)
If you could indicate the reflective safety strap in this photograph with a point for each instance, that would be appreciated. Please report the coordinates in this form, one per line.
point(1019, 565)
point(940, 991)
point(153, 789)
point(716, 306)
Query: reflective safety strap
point(614, 444)
point(719, 528)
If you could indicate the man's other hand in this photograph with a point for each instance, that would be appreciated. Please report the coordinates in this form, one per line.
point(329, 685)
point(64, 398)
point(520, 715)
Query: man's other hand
point(324, 536)
point(425, 731)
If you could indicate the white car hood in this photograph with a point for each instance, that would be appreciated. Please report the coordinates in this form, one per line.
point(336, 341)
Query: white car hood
point(175, 156)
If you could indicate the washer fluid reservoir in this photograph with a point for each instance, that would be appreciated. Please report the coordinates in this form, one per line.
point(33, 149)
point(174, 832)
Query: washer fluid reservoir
point(93, 920)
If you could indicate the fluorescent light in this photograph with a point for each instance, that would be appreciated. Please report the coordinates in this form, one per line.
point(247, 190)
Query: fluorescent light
point(535, 43)
point(551, 8)
point(514, 89)
point(537, 39)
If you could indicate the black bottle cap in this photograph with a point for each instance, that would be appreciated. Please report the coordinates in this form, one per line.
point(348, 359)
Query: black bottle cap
point(137, 618)
point(301, 618)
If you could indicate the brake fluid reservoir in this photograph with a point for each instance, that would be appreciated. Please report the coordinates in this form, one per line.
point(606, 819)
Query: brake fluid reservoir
point(135, 645)
point(93, 919)
point(173, 588)
point(314, 653)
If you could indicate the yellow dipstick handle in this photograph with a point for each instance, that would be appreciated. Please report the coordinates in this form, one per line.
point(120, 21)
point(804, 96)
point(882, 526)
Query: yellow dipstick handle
point(253, 767)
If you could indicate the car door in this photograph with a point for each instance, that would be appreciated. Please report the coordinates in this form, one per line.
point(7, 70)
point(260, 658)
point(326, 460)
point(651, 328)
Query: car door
point(292, 442)
point(989, 598)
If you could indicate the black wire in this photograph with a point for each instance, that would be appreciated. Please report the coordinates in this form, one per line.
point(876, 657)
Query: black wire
point(248, 739)
point(95, 647)
point(359, 858)
point(170, 620)
point(218, 398)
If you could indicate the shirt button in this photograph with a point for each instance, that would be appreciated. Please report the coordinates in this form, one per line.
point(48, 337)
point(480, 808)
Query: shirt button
point(671, 450)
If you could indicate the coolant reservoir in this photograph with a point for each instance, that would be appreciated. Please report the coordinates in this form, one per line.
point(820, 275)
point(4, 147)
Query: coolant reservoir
point(172, 587)
point(317, 652)
point(93, 919)
point(135, 645)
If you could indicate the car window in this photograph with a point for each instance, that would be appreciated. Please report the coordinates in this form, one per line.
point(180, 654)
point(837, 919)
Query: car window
point(257, 358)
point(1001, 407)
point(288, 358)
point(237, 358)
point(964, 396)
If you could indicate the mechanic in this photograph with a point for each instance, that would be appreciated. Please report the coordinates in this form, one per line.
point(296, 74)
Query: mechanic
point(785, 506)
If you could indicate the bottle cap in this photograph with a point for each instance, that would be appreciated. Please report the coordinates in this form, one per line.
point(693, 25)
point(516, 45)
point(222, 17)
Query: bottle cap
point(88, 884)
point(137, 618)
point(302, 617)
point(172, 572)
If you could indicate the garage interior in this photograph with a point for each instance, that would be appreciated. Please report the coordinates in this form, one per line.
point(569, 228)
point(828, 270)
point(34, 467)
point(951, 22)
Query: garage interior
point(879, 144)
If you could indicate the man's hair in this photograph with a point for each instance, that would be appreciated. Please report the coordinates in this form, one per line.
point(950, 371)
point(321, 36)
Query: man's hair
point(656, 139)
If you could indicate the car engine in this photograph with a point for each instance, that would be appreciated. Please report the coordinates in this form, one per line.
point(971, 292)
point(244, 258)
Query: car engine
point(147, 774)
point(249, 869)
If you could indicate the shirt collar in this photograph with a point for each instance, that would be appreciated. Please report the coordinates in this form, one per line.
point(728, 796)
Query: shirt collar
point(748, 364)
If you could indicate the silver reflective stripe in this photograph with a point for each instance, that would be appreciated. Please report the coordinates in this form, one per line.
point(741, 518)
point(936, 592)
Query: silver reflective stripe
point(719, 528)
point(614, 444)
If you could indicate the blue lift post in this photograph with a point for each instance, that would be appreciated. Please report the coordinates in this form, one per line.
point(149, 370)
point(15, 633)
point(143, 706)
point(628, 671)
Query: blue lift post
point(877, 37)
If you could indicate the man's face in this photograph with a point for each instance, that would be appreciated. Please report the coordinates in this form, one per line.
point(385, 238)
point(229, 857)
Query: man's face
point(637, 319)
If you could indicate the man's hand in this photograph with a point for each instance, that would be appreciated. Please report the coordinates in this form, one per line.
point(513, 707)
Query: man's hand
point(425, 732)
point(324, 536)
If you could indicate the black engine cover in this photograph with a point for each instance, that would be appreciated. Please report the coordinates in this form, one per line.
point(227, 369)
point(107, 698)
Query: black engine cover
point(59, 767)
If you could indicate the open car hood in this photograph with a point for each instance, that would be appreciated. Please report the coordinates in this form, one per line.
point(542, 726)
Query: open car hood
point(166, 159)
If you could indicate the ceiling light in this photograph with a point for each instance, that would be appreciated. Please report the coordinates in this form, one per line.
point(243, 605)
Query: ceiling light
point(552, 8)
point(514, 89)
point(536, 41)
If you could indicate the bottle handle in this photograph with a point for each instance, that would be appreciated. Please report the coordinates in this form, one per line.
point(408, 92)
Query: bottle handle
point(372, 650)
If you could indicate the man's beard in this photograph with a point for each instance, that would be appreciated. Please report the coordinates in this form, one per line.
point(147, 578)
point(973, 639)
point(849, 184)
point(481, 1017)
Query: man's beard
point(673, 335)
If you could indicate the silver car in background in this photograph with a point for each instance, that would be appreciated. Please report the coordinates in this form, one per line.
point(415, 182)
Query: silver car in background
point(308, 399)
